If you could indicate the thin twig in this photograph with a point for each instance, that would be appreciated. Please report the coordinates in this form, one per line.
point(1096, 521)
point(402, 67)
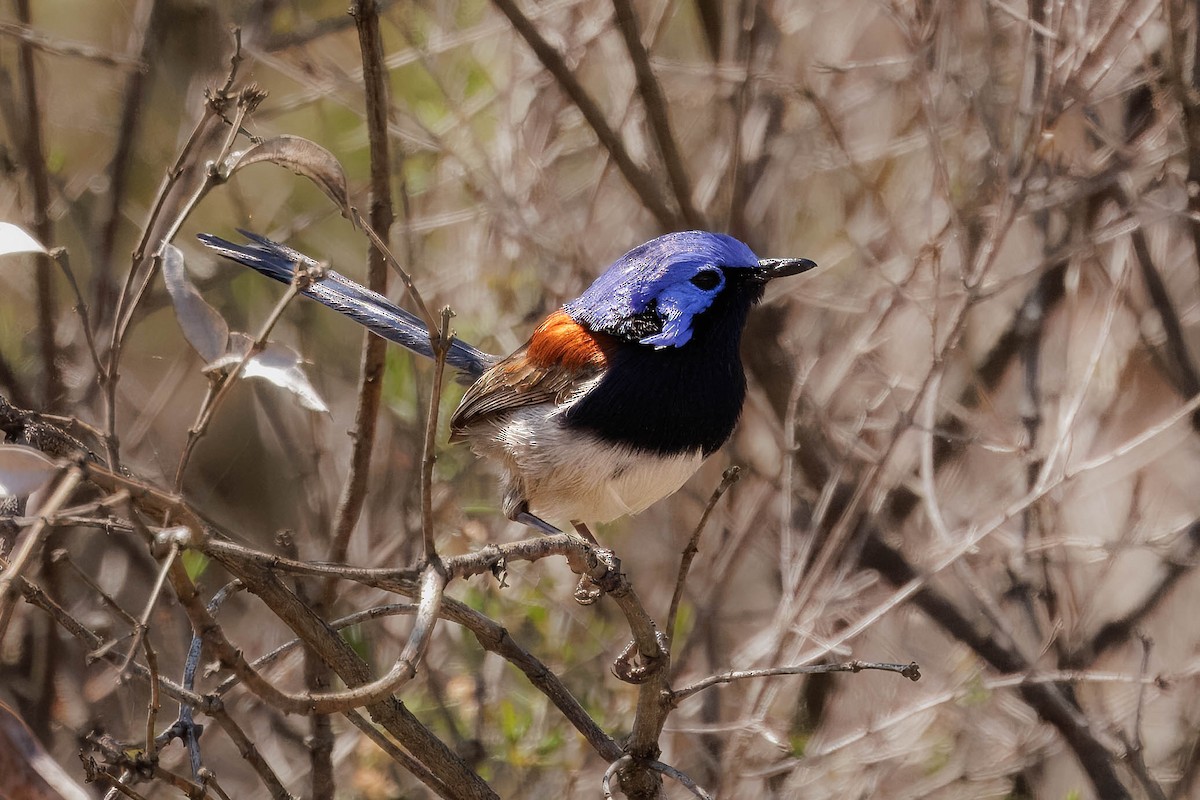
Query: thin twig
point(728, 478)
point(491, 636)
point(911, 671)
point(1116, 632)
point(306, 31)
point(184, 185)
point(642, 183)
point(62, 47)
point(656, 111)
point(59, 254)
point(371, 363)
point(224, 384)
point(133, 93)
point(613, 768)
point(119, 786)
point(441, 345)
point(375, 612)
point(39, 179)
point(655, 766)
point(153, 702)
point(62, 556)
point(445, 765)
point(210, 782)
point(1135, 754)
point(318, 677)
point(32, 542)
point(396, 754)
point(209, 176)
point(1187, 378)
point(363, 693)
point(246, 747)
point(116, 753)
point(143, 624)
point(37, 597)
point(653, 675)
point(1049, 700)
point(409, 284)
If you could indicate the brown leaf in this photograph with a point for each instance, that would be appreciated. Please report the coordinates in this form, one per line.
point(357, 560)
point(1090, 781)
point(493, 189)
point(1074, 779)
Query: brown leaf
point(302, 157)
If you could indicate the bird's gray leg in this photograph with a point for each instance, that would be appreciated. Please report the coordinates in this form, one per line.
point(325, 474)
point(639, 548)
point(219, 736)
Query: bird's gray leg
point(520, 513)
point(583, 531)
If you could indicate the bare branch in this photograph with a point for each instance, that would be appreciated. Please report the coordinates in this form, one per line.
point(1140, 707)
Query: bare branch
point(730, 477)
point(656, 110)
point(642, 183)
point(371, 363)
point(911, 671)
point(39, 177)
point(32, 543)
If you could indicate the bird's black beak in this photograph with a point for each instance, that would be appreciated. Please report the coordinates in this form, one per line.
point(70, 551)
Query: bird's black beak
point(771, 268)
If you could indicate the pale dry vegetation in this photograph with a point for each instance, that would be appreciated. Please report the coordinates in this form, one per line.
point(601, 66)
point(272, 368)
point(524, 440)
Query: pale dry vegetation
point(971, 439)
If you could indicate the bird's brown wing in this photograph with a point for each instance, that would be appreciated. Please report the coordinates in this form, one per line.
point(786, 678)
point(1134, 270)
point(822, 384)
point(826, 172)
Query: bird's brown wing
point(559, 357)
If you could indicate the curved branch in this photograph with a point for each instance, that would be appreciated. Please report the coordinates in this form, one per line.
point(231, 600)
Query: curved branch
point(642, 183)
point(310, 703)
point(656, 111)
point(492, 636)
point(656, 766)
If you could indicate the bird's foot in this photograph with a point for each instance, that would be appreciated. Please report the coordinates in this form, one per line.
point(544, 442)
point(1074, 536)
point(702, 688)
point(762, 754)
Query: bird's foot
point(587, 591)
point(634, 666)
point(499, 565)
point(599, 572)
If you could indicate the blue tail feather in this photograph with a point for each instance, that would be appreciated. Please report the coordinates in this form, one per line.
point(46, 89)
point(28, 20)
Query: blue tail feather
point(370, 309)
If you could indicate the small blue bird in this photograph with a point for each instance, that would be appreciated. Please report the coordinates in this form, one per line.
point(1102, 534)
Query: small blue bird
point(617, 397)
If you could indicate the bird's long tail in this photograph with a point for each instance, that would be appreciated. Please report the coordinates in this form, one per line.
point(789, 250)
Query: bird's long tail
point(368, 308)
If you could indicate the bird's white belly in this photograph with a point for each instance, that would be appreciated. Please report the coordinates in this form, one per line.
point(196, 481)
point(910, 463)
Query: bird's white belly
point(567, 475)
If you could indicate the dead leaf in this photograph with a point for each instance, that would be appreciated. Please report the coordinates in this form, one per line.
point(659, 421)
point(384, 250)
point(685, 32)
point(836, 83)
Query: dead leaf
point(203, 327)
point(24, 470)
point(14, 239)
point(276, 363)
point(303, 157)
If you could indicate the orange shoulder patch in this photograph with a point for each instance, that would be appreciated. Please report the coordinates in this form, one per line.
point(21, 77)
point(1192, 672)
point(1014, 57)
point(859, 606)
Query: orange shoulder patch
point(561, 341)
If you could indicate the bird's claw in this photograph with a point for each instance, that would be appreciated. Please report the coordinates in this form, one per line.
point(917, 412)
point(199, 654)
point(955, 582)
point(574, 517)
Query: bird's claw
point(634, 666)
point(499, 568)
point(587, 591)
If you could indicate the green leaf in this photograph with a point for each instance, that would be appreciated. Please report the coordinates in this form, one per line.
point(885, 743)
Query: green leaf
point(195, 563)
point(355, 637)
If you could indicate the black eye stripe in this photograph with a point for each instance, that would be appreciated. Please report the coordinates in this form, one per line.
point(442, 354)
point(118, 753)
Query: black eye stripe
point(708, 279)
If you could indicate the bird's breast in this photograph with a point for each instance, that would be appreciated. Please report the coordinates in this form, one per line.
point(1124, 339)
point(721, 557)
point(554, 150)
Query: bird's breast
point(564, 474)
point(666, 402)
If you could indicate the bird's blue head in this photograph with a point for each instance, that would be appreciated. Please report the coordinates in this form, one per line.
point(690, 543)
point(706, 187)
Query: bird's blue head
point(655, 293)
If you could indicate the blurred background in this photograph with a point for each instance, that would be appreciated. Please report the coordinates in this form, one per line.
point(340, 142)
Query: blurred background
point(970, 439)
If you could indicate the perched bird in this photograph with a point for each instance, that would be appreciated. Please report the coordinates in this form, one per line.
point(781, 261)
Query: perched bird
point(617, 397)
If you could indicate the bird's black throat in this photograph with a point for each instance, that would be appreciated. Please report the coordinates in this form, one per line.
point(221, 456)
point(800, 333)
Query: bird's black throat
point(674, 400)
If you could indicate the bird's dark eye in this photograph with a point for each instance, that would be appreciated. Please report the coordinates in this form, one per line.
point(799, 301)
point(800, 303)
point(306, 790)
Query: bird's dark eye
point(708, 279)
